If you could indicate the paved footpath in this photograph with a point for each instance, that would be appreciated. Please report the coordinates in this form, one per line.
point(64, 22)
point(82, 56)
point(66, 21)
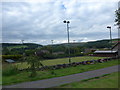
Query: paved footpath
point(47, 83)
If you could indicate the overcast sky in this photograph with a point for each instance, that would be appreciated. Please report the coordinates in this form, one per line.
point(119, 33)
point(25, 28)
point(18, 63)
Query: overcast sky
point(40, 22)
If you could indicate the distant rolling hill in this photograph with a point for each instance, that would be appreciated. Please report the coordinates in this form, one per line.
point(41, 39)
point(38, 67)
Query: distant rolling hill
point(17, 45)
point(93, 44)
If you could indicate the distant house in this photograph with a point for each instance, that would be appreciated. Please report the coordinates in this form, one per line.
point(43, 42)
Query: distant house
point(40, 52)
point(57, 53)
point(105, 53)
point(44, 51)
point(109, 53)
point(88, 50)
point(9, 61)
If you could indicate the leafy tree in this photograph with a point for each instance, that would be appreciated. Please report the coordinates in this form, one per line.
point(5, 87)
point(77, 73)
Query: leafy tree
point(59, 48)
point(117, 20)
point(34, 63)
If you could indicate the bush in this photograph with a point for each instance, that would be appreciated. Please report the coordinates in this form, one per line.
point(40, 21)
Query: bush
point(10, 70)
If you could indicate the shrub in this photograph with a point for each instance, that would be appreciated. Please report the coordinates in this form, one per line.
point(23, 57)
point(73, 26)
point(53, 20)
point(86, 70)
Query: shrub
point(34, 63)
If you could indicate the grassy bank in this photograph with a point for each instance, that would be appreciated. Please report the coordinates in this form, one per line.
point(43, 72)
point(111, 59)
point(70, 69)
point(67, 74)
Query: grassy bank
point(104, 81)
point(23, 76)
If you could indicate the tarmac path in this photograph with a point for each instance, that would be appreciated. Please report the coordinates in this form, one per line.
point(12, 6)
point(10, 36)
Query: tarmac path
point(52, 82)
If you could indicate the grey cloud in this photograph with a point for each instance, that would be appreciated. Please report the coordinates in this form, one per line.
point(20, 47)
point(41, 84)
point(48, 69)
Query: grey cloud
point(44, 21)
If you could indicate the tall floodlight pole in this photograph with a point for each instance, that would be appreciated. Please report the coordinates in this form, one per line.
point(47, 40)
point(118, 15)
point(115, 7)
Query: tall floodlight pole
point(67, 23)
point(110, 36)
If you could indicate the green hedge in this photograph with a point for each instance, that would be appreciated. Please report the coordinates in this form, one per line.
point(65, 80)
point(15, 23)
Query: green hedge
point(11, 56)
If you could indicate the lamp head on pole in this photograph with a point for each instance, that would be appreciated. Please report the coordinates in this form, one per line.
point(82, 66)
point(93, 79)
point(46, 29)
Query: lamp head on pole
point(108, 26)
point(64, 21)
point(68, 21)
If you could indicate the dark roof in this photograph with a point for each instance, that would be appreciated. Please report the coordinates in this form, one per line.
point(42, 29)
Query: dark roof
point(105, 51)
point(10, 60)
point(116, 45)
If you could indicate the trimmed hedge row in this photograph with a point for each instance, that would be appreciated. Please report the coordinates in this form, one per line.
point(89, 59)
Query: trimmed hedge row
point(11, 56)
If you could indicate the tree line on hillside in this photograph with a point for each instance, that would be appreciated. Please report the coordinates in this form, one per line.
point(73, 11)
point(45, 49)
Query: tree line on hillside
point(74, 47)
point(55, 51)
point(29, 45)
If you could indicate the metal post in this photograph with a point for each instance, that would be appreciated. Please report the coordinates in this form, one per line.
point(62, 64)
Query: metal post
point(67, 22)
point(68, 42)
point(110, 37)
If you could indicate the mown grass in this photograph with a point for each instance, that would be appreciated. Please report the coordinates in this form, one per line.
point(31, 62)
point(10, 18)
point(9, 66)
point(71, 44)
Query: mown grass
point(104, 81)
point(73, 59)
point(24, 76)
point(60, 61)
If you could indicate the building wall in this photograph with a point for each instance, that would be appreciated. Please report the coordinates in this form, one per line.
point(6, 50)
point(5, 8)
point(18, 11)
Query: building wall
point(105, 55)
point(117, 48)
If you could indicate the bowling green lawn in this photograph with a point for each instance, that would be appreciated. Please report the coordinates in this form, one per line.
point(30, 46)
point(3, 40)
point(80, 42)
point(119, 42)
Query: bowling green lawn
point(60, 61)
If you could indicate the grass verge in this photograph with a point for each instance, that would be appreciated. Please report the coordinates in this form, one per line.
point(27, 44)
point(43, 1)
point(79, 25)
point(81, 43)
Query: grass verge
point(23, 76)
point(104, 81)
